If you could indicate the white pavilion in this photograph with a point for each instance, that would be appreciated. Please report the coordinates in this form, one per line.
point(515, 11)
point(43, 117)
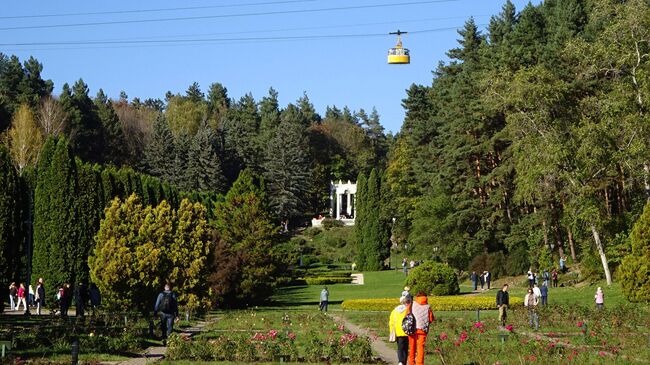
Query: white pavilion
point(342, 203)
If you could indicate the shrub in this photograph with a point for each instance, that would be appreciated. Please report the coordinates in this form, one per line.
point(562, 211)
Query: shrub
point(312, 232)
point(329, 223)
point(518, 261)
point(433, 278)
point(328, 280)
point(635, 267)
point(494, 262)
point(443, 303)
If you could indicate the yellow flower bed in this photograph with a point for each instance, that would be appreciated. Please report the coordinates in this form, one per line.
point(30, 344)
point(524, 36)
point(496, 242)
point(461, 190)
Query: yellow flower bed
point(442, 303)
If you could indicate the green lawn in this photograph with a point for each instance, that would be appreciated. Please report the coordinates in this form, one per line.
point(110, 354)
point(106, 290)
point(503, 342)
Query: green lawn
point(378, 284)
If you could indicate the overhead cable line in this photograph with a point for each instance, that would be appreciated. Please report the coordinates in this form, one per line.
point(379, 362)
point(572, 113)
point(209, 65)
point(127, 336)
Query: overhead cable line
point(236, 15)
point(207, 40)
point(139, 11)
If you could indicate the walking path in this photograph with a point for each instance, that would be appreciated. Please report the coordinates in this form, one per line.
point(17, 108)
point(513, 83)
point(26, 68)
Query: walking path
point(386, 353)
point(156, 353)
point(357, 279)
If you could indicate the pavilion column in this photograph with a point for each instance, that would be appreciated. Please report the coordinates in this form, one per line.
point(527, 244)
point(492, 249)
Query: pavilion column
point(348, 209)
point(338, 205)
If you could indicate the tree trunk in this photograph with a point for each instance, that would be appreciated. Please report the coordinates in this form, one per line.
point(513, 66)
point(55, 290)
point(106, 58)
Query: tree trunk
point(601, 252)
point(646, 172)
point(571, 247)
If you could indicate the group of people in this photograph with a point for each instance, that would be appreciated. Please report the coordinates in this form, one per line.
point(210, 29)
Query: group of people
point(409, 325)
point(409, 265)
point(548, 278)
point(36, 298)
point(27, 297)
point(485, 279)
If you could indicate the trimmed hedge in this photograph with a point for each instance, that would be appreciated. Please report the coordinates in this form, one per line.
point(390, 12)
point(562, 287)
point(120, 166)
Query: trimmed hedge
point(328, 274)
point(442, 303)
point(328, 280)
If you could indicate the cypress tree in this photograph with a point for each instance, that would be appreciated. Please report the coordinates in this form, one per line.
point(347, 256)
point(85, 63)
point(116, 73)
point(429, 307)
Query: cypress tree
point(375, 227)
point(9, 218)
point(54, 215)
point(89, 210)
point(360, 219)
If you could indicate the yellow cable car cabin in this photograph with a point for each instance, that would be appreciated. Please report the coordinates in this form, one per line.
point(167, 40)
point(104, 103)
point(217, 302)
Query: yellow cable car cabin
point(398, 55)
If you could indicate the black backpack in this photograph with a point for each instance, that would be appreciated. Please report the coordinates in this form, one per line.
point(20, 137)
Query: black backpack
point(408, 324)
point(166, 303)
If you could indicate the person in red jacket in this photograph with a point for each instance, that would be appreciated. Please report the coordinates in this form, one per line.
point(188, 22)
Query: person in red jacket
point(423, 318)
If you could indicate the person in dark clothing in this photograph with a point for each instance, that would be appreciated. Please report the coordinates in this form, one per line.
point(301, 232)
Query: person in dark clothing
point(488, 279)
point(95, 297)
point(503, 301)
point(474, 279)
point(167, 307)
point(40, 296)
point(81, 299)
point(544, 291)
point(482, 279)
point(65, 299)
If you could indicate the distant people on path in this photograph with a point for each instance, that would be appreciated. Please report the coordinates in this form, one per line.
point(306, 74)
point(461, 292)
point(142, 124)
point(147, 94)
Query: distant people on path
point(531, 278)
point(13, 296)
point(554, 277)
point(423, 318)
point(546, 276)
point(488, 278)
point(324, 299)
point(396, 331)
point(81, 299)
point(65, 299)
point(503, 301)
point(537, 291)
point(562, 264)
point(600, 298)
point(40, 296)
point(405, 266)
point(95, 298)
point(474, 278)
point(530, 302)
point(30, 296)
point(544, 291)
point(411, 264)
point(481, 278)
point(167, 307)
point(22, 297)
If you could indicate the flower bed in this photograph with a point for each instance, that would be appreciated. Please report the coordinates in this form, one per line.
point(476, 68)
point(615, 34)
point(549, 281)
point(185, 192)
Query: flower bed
point(441, 303)
point(272, 336)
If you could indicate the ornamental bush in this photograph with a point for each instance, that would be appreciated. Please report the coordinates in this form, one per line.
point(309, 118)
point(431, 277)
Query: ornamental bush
point(634, 270)
point(433, 278)
point(328, 280)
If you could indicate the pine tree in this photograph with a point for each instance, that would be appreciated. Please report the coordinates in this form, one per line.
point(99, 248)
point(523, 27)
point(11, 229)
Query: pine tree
point(84, 128)
point(287, 169)
point(203, 166)
point(159, 151)
point(114, 135)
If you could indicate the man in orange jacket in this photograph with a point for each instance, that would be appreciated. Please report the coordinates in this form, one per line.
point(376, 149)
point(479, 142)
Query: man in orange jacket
point(423, 317)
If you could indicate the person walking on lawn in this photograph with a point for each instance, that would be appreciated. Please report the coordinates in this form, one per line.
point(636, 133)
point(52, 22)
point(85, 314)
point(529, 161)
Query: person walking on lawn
point(167, 307)
point(474, 279)
point(397, 333)
point(324, 299)
point(530, 302)
point(544, 291)
point(554, 277)
point(503, 301)
point(423, 318)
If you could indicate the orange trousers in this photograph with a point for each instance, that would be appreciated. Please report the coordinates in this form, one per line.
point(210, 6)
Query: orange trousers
point(416, 348)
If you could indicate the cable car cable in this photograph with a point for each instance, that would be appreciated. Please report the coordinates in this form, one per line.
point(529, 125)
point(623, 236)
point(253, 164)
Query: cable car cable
point(139, 11)
point(237, 15)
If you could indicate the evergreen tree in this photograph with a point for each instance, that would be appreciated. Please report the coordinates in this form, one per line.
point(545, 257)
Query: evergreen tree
point(360, 220)
point(10, 221)
point(287, 169)
point(84, 128)
point(203, 166)
point(218, 105)
point(245, 261)
point(54, 215)
point(114, 135)
point(376, 234)
point(159, 151)
point(241, 131)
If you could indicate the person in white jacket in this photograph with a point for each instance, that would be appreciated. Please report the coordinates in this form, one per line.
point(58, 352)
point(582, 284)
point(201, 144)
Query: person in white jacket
point(530, 301)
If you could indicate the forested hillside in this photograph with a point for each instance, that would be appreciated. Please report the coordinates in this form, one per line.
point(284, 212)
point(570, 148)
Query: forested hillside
point(531, 142)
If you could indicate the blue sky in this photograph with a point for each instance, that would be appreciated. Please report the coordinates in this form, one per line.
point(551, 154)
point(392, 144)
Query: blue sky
point(281, 45)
